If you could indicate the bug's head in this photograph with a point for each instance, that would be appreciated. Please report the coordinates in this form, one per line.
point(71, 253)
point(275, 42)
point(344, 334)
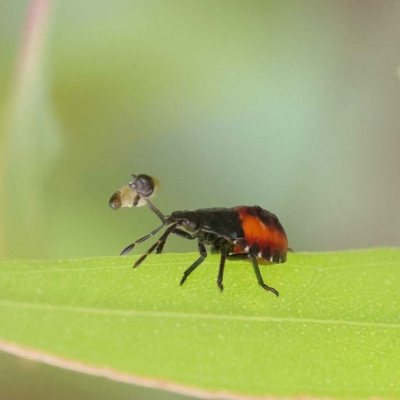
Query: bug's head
point(190, 220)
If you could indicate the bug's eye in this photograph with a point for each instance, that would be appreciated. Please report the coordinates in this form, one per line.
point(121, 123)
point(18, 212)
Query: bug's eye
point(115, 201)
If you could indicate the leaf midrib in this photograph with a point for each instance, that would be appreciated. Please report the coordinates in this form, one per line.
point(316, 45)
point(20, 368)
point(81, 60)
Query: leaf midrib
point(169, 314)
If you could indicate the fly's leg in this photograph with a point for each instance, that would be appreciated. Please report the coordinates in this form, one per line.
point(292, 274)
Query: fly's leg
point(259, 277)
point(203, 255)
point(136, 200)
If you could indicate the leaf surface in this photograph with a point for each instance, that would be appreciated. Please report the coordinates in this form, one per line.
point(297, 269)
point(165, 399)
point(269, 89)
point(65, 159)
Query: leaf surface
point(334, 331)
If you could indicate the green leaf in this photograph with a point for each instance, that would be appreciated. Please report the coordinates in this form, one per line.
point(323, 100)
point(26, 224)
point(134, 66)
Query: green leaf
point(334, 331)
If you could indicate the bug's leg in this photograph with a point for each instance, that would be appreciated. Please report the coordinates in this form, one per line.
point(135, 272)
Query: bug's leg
point(162, 240)
point(203, 255)
point(259, 277)
point(221, 271)
point(131, 246)
point(178, 232)
point(184, 234)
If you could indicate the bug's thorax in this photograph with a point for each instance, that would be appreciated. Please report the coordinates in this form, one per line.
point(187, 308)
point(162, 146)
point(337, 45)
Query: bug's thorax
point(189, 220)
point(220, 221)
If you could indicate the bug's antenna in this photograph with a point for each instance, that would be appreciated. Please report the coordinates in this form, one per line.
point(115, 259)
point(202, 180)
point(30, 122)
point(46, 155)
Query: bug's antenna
point(131, 246)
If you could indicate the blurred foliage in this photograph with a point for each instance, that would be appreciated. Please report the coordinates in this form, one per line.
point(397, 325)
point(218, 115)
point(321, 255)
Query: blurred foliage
point(292, 106)
point(32, 144)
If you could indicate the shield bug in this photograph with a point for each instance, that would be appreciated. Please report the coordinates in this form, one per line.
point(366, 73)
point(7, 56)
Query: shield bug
point(243, 232)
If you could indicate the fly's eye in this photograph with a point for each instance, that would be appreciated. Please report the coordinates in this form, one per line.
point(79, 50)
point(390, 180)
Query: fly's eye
point(143, 185)
point(115, 201)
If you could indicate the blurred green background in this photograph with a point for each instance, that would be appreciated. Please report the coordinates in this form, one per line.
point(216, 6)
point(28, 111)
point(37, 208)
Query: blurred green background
point(294, 106)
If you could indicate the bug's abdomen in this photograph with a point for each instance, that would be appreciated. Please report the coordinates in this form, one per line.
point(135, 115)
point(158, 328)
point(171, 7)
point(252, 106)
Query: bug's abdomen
point(264, 235)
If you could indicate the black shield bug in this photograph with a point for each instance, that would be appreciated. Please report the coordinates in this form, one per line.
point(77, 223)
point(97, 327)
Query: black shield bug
point(243, 232)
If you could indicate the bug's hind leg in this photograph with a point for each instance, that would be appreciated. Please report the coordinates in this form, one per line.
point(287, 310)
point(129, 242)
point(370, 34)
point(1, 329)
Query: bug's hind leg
point(203, 255)
point(260, 278)
point(160, 241)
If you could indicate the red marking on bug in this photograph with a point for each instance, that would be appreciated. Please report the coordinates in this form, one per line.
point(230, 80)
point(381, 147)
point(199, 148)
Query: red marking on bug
point(237, 249)
point(265, 236)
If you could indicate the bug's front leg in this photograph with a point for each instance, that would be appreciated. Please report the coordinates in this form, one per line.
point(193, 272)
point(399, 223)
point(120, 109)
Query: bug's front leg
point(178, 232)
